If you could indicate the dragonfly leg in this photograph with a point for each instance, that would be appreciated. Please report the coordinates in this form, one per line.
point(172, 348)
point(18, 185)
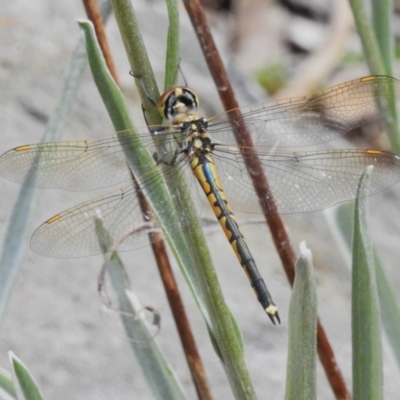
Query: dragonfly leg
point(163, 161)
point(151, 100)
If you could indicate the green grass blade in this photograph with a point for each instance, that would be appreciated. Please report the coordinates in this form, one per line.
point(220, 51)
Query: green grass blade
point(16, 234)
point(24, 383)
point(369, 42)
point(138, 58)
point(366, 335)
point(390, 312)
point(159, 375)
point(382, 15)
point(172, 58)
point(7, 390)
point(302, 353)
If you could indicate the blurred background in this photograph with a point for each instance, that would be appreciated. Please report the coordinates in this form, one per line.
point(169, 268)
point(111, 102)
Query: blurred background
point(55, 321)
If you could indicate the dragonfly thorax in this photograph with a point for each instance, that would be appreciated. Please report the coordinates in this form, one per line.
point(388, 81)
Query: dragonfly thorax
point(179, 105)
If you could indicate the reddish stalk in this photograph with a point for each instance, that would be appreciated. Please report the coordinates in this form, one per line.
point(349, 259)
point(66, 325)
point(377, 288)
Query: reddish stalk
point(93, 13)
point(274, 221)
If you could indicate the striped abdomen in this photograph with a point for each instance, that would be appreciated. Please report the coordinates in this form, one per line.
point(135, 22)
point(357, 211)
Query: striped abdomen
point(204, 170)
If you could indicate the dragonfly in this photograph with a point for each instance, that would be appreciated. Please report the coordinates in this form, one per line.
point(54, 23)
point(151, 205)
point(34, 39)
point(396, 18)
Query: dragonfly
point(204, 149)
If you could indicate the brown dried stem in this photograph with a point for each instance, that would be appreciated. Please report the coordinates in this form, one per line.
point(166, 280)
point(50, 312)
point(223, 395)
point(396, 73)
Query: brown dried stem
point(274, 221)
point(93, 13)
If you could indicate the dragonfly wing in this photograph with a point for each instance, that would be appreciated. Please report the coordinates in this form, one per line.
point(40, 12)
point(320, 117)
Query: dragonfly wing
point(318, 118)
point(76, 165)
point(307, 181)
point(73, 233)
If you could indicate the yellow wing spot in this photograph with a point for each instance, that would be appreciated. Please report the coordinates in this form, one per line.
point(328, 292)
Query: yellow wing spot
point(373, 152)
point(22, 148)
point(53, 219)
point(368, 78)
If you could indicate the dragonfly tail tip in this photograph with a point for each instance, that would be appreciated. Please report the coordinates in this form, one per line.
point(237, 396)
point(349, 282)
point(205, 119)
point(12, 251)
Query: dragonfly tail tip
point(272, 312)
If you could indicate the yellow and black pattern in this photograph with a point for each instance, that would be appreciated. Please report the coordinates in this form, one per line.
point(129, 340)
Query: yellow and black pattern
point(205, 171)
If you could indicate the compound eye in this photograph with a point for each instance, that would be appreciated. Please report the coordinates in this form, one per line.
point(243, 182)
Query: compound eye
point(164, 102)
point(177, 100)
point(192, 97)
point(164, 97)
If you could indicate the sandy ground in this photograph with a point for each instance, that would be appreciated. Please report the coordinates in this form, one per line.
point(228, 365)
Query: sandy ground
point(54, 321)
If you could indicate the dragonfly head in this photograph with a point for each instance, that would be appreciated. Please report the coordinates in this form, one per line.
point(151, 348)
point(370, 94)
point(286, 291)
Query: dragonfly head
point(177, 100)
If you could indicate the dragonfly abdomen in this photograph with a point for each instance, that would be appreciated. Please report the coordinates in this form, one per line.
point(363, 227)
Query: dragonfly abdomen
point(205, 171)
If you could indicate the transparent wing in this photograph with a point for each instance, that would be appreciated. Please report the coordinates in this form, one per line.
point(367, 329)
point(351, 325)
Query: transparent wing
point(97, 163)
point(76, 165)
point(72, 233)
point(318, 118)
point(306, 181)
point(300, 181)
